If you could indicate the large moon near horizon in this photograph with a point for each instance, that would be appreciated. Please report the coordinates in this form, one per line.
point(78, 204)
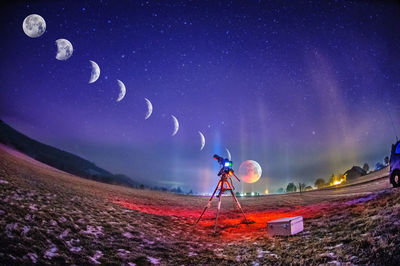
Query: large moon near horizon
point(34, 26)
point(64, 49)
point(250, 171)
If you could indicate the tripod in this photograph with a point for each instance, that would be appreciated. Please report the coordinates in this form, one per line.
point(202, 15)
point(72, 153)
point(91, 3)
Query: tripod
point(223, 185)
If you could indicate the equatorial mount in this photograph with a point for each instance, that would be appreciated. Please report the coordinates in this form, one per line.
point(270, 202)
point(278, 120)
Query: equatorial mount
point(225, 184)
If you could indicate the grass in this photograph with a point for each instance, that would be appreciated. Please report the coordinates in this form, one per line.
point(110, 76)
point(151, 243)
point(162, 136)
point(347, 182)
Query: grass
point(50, 217)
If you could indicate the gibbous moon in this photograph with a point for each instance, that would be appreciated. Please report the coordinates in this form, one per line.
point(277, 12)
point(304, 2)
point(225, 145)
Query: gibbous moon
point(203, 140)
point(229, 154)
point(64, 49)
point(149, 108)
point(250, 171)
point(176, 125)
point(34, 26)
point(95, 71)
point(122, 90)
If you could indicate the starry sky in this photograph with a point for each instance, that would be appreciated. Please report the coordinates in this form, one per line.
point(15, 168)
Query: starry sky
point(305, 88)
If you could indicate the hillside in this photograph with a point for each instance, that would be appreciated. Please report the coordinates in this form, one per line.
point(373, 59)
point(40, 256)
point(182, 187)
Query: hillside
point(51, 217)
point(59, 159)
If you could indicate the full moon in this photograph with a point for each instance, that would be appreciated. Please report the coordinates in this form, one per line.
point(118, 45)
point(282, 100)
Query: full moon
point(64, 49)
point(34, 26)
point(250, 171)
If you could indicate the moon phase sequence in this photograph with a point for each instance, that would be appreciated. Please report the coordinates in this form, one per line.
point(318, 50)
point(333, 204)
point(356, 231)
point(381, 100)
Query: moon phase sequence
point(202, 140)
point(95, 71)
point(64, 49)
point(122, 90)
point(176, 125)
point(149, 108)
point(34, 26)
point(229, 154)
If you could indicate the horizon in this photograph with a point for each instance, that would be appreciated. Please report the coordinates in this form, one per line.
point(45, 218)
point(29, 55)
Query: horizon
point(306, 96)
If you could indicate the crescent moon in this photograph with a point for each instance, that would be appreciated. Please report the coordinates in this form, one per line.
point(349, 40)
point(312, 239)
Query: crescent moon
point(176, 125)
point(95, 71)
point(229, 154)
point(149, 108)
point(64, 49)
point(203, 140)
point(122, 91)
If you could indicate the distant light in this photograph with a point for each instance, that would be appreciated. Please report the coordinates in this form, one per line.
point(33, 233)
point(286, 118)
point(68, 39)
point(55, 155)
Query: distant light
point(252, 193)
point(227, 164)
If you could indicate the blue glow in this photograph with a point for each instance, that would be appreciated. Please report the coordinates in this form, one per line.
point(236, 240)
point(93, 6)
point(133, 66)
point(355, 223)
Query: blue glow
point(398, 149)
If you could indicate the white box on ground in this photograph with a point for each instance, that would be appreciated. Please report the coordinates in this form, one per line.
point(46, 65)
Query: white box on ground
point(285, 226)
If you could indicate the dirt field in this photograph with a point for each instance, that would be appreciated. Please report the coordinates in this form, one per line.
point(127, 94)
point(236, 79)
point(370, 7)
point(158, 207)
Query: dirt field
point(51, 217)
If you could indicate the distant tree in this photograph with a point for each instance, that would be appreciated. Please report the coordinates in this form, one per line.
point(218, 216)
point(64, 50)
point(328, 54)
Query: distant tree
point(141, 186)
point(177, 190)
point(308, 188)
point(190, 192)
point(291, 187)
point(386, 160)
point(379, 166)
point(366, 167)
point(280, 190)
point(302, 186)
point(320, 183)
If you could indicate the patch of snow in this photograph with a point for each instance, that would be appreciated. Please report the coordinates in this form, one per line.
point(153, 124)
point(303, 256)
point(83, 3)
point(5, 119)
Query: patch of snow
point(122, 253)
point(62, 220)
point(53, 223)
point(93, 230)
point(97, 255)
point(28, 217)
point(33, 207)
point(3, 181)
point(11, 227)
point(65, 233)
point(131, 264)
point(153, 261)
point(2, 212)
point(148, 241)
point(50, 253)
point(191, 254)
point(75, 249)
point(261, 253)
point(25, 229)
point(33, 257)
point(127, 235)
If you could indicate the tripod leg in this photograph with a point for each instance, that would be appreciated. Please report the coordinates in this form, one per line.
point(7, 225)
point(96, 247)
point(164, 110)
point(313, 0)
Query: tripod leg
point(209, 202)
point(219, 207)
point(238, 204)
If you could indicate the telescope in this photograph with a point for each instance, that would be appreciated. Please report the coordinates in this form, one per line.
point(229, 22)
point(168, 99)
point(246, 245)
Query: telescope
point(226, 167)
point(225, 184)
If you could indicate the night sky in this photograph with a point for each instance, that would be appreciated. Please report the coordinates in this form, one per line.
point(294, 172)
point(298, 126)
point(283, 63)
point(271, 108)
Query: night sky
point(305, 88)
